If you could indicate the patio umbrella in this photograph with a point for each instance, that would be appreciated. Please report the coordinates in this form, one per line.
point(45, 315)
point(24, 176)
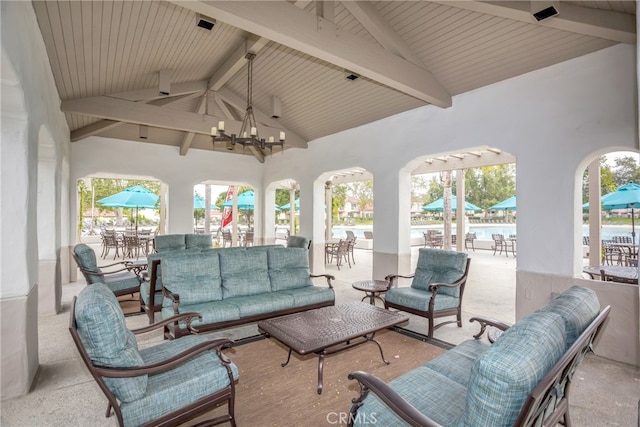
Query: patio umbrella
point(245, 201)
point(438, 205)
point(132, 197)
point(288, 206)
point(199, 203)
point(505, 205)
point(625, 197)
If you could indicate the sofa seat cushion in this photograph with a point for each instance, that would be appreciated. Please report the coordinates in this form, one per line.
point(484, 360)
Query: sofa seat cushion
point(309, 295)
point(439, 266)
point(505, 374)
point(456, 363)
point(211, 312)
point(419, 299)
point(176, 388)
point(244, 273)
point(104, 334)
point(443, 400)
point(288, 268)
point(578, 307)
point(253, 305)
point(195, 277)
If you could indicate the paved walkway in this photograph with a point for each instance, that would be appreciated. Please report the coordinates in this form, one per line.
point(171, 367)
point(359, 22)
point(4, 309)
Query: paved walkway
point(605, 393)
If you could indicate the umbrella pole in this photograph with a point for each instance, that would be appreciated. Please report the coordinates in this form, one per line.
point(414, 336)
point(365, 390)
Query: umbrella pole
point(633, 227)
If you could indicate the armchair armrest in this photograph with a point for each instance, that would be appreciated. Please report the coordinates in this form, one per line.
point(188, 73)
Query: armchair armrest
point(391, 277)
point(115, 263)
point(105, 272)
point(329, 278)
point(175, 299)
point(486, 321)
point(169, 363)
point(393, 400)
point(188, 317)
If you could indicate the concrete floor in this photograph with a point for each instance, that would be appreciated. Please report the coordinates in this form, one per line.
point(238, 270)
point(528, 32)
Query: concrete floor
point(604, 393)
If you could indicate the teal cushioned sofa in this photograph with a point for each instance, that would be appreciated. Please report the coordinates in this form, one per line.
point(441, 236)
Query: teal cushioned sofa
point(232, 286)
point(521, 379)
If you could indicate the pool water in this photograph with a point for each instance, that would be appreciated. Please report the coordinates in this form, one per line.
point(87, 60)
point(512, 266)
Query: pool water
point(483, 231)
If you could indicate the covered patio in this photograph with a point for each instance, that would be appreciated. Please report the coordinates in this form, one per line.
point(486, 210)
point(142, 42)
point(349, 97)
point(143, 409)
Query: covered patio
point(554, 118)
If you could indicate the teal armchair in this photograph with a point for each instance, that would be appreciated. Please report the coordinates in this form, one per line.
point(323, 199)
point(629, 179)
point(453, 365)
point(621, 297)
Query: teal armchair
point(120, 281)
point(436, 289)
point(161, 385)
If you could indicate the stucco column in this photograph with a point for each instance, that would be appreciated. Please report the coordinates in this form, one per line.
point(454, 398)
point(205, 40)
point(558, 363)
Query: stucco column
point(179, 208)
point(392, 224)
point(312, 221)
point(595, 214)
point(460, 211)
point(328, 202)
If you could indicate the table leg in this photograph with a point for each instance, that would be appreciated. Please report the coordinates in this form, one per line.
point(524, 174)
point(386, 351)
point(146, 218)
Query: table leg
point(320, 366)
point(288, 358)
point(379, 348)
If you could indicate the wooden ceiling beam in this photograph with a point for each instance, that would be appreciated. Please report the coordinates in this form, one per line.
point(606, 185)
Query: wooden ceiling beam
point(604, 24)
point(291, 26)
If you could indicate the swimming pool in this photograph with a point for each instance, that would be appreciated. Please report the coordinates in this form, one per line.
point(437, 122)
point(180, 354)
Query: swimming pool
point(483, 231)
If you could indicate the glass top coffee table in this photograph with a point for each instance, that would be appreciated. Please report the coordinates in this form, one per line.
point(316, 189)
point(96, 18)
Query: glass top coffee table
point(329, 330)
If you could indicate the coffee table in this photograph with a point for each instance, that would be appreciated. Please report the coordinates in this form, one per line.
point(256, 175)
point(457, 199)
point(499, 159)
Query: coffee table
point(329, 330)
point(372, 289)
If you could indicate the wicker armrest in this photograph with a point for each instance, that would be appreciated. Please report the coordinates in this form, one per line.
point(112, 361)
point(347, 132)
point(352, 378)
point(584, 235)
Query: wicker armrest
point(169, 363)
point(329, 278)
point(486, 321)
point(393, 400)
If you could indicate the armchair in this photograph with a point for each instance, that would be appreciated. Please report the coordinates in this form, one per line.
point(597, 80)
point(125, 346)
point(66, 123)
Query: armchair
point(121, 281)
point(162, 385)
point(436, 289)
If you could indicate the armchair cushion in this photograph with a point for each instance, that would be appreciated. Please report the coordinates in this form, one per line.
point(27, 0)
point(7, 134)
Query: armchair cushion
point(108, 342)
point(202, 241)
point(121, 281)
point(419, 299)
point(297, 242)
point(505, 374)
point(87, 257)
point(169, 242)
point(244, 273)
point(194, 276)
point(289, 268)
point(439, 266)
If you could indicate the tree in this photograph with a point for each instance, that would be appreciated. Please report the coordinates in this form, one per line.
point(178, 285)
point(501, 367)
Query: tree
point(362, 191)
point(626, 170)
point(338, 200)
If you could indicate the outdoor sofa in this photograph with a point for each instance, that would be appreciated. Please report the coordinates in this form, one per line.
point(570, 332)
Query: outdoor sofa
point(524, 378)
point(234, 286)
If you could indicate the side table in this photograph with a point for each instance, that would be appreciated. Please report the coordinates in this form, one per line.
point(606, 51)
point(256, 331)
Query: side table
point(372, 289)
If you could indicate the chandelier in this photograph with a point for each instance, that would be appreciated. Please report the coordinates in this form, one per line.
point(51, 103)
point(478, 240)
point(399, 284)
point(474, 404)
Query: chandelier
point(248, 135)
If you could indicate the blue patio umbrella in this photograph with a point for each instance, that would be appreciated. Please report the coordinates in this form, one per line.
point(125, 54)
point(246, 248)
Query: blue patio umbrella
point(288, 206)
point(505, 205)
point(199, 203)
point(625, 197)
point(438, 205)
point(132, 197)
point(245, 201)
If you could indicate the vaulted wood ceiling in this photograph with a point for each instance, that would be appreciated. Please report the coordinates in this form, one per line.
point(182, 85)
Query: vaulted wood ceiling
point(107, 57)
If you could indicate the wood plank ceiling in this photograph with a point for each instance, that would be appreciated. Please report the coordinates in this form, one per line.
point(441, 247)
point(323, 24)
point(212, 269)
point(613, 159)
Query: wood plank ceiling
point(106, 58)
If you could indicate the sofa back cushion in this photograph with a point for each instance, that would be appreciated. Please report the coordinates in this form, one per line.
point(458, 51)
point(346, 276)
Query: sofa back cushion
point(289, 268)
point(169, 242)
point(578, 307)
point(505, 374)
point(201, 241)
point(108, 342)
point(297, 242)
point(162, 255)
point(195, 277)
point(439, 266)
point(244, 272)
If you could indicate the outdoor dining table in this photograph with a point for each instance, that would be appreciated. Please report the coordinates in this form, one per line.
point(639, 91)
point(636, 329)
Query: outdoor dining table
point(615, 273)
